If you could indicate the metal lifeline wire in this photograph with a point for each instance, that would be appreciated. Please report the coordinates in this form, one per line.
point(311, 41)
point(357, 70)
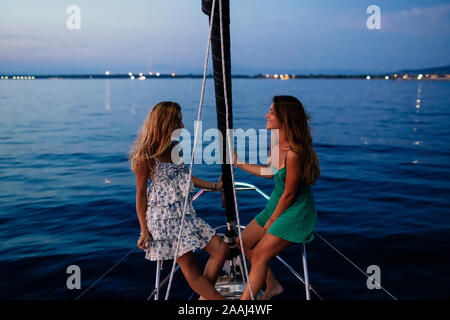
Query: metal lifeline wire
point(330, 245)
point(192, 155)
point(109, 270)
point(229, 151)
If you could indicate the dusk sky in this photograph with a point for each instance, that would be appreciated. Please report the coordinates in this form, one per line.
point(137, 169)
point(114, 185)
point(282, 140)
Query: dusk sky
point(283, 36)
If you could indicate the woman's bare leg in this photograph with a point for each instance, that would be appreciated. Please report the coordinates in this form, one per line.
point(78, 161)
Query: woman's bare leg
point(251, 235)
point(218, 251)
point(273, 287)
point(267, 248)
point(198, 282)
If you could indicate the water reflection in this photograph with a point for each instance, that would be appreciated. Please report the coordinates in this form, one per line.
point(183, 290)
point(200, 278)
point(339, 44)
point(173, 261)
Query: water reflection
point(418, 100)
point(131, 91)
point(417, 142)
point(107, 96)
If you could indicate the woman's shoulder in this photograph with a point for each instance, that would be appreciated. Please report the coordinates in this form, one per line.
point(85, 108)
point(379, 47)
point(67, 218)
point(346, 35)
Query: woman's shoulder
point(292, 154)
point(142, 167)
point(292, 159)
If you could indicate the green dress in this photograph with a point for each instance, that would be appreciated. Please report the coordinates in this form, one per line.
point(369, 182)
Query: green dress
point(297, 222)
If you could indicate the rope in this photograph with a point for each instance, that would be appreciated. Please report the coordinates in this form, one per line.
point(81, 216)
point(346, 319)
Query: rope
point(229, 149)
point(193, 152)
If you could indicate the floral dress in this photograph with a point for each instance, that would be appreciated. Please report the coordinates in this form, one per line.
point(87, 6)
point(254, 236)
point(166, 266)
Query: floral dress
point(165, 202)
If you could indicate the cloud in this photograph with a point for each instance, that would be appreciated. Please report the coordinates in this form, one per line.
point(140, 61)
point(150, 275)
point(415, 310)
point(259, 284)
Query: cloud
point(416, 21)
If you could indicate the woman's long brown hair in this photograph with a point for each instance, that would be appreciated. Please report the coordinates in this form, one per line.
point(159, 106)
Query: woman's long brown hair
point(155, 136)
point(294, 123)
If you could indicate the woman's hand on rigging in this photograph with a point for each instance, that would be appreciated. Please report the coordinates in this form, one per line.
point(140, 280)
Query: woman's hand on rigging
point(219, 184)
point(235, 158)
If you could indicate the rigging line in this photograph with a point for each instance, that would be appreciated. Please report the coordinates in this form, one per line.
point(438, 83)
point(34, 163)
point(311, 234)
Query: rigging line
point(353, 264)
point(229, 150)
point(295, 273)
point(110, 269)
point(162, 284)
point(205, 68)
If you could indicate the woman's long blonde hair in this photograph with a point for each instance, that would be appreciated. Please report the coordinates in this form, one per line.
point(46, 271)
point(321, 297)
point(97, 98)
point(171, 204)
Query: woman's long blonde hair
point(294, 121)
point(155, 136)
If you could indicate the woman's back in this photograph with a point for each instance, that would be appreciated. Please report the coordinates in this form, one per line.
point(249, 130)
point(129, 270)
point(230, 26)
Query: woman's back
point(169, 182)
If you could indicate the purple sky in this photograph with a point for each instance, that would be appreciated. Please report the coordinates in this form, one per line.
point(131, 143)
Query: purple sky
point(283, 36)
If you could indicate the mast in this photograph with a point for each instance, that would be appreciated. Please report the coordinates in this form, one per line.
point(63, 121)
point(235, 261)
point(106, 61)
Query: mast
point(228, 195)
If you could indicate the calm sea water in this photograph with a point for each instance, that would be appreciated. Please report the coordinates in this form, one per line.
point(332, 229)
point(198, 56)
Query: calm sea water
point(67, 196)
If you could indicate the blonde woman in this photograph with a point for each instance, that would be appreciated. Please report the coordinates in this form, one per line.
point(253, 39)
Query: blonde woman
point(160, 206)
point(290, 214)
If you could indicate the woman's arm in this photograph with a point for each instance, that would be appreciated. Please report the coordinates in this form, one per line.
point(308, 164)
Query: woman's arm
point(255, 169)
point(142, 174)
point(290, 189)
point(199, 183)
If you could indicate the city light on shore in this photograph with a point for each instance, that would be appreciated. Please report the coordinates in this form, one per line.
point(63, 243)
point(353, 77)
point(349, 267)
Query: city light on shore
point(27, 77)
point(140, 76)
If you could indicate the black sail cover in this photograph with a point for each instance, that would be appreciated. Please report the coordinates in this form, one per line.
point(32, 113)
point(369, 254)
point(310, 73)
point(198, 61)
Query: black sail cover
point(219, 91)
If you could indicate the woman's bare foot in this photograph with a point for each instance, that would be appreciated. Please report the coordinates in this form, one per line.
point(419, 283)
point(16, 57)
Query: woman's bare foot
point(274, 289)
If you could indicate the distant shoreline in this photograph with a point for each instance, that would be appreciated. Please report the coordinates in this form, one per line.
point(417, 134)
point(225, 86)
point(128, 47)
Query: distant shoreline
point(140, 76)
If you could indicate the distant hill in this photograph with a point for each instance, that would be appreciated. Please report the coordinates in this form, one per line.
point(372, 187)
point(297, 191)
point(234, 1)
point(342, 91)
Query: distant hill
point(435, 70)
